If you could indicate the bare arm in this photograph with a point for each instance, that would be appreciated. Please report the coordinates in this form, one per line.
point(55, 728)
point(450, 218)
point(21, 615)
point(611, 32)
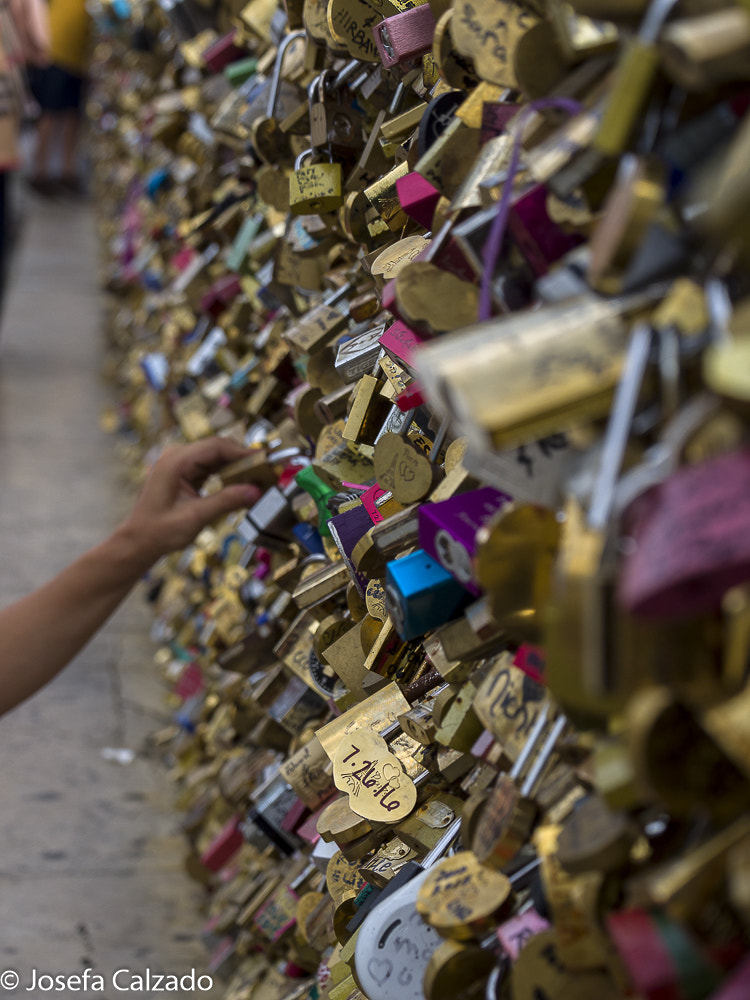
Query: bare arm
point(41, 633)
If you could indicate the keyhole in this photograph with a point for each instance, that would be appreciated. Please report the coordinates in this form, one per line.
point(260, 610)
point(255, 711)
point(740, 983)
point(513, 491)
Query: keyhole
point(342, 126)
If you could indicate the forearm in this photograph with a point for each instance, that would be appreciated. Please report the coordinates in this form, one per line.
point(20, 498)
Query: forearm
point(40, 633)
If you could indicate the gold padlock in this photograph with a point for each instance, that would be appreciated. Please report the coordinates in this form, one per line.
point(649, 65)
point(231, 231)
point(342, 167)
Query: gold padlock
point(314, 189)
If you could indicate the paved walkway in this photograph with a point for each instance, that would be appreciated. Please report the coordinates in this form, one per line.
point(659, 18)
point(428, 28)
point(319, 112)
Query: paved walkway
point(91, 860)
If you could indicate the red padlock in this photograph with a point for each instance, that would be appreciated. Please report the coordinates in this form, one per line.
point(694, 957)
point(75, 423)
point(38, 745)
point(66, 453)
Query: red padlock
point(222, 52)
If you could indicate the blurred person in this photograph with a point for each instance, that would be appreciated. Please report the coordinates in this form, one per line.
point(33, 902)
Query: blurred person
point(43, 631)
point(58, 89)
point(24, 41)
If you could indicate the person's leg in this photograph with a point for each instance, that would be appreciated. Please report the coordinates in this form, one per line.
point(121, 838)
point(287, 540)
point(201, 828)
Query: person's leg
point(71, 118)
point(45, 131)
point(46, 90)
point(6, 237)
point(71, 129)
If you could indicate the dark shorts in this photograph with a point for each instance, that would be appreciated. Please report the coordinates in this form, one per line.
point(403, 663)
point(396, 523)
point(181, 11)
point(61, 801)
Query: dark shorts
point(55, 88)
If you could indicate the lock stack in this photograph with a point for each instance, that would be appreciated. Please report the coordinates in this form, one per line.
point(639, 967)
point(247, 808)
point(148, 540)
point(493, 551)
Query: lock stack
point(460, 704)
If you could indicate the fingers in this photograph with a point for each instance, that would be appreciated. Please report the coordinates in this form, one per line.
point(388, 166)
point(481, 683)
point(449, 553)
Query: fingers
point(229, 499)
point(194, 462)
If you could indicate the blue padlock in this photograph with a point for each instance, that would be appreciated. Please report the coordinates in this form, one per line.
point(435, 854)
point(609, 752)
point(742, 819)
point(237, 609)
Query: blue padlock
point(421, 595)
point(156, 180)
point(309, 538)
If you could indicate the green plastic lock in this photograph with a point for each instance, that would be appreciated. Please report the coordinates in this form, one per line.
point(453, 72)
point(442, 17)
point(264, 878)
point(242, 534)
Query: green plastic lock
point(241, 70)
point(321, 494)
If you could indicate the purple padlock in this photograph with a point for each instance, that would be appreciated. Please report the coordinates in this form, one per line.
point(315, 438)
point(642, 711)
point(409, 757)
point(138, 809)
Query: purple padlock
point(448, 530)
point(346, 530)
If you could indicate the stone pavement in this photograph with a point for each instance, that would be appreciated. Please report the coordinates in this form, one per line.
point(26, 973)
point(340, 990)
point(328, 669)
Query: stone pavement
point(91, 859)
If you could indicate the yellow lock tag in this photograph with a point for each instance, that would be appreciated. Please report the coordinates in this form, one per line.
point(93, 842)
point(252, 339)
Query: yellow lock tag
point(373, 777)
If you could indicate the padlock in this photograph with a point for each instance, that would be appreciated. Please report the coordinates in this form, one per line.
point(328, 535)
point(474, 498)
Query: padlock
point(455, 967)
point(420, 594)
point(634, 77)
point(448, 530)
point(711, 48)
point(539, 396)
point(698, 565)
point(357, 357)
point(661, 724)
point(539, 239)
point(463, 899)
point(314, 188)
point(407, 466)
point(587, 565)
point(509, 812)
point(367, 412)
point(334, 126)
point(526, 537)
point(405, 36)
point(634, 200)
point(269, 141)
point(430, 299)
point(400, 975)
point(659, 955)
point(579, 36)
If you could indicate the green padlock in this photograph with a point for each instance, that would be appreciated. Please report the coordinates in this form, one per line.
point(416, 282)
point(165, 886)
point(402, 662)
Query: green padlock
point(321, 494)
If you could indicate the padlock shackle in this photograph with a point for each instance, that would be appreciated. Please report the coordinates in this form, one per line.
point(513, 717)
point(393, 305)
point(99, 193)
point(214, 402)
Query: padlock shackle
point(618, 428)
point(543, 757)
point(530, 745)
point(657, 13)
point(312, 89)
point(302, 157)
point(346, 73)
point(443, 844)
point(273, 97)
point(437, 444)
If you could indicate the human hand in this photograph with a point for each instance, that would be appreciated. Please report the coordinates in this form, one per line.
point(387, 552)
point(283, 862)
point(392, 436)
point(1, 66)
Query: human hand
point(170, 512)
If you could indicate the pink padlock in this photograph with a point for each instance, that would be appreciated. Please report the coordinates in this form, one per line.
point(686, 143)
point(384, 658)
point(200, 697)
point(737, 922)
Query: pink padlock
point(737, 985)
point(224, 845)
point(308, 831)
point(532, 660)
point(220, 294)
point(400, 341)
point(495, 119)
point(369, 501)
point(517, 931)
point(418, 198)
point(539, 239)
point(297, 814)
point(183, 259)
point(263, 564)
point(406, 36)
point(191, 682)
point(445, 253)
point(411, 397)
point(690, 538)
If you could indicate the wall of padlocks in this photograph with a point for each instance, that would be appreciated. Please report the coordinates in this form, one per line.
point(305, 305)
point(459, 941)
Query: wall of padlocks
point(460, 704)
